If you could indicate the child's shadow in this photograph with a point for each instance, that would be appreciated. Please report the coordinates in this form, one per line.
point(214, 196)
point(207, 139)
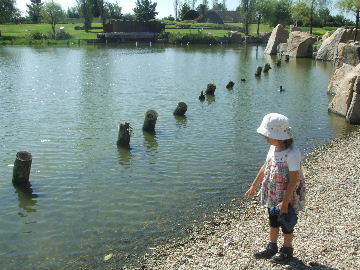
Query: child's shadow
point(297, 264)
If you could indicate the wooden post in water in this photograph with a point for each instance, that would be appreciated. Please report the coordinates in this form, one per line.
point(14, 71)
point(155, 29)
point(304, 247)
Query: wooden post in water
point(180, 109)
point(230, 85)
point(258, 71)
point(278, 62)
point(124, 135)
point(22, 167)
point(267, 67)
point(210, 90)
point(150, 121)
point(287, 58)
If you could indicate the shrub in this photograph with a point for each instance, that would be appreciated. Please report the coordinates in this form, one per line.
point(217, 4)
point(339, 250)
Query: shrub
point(37, 35)
point(62, 35)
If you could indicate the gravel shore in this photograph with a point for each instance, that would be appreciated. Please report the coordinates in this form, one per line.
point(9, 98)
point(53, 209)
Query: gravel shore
point(327, 235)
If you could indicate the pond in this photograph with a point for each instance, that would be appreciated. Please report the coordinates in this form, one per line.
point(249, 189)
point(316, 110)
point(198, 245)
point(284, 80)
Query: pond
point(89, 198)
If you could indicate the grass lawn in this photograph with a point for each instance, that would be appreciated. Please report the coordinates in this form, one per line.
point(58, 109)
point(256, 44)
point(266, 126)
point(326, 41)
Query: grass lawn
point(23, 30)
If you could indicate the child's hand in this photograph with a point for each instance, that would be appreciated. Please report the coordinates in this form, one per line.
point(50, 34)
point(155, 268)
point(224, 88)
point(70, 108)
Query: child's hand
point(283, 208)
point(251, 192)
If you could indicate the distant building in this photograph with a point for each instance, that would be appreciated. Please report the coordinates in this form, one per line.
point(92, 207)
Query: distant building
point(229, 16)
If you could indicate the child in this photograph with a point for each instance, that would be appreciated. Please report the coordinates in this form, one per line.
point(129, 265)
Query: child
point(282, 186)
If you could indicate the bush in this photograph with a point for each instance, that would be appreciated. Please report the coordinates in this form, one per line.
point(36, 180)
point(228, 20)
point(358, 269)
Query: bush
point(193, 38)
point(37, 35)
point(62, 35)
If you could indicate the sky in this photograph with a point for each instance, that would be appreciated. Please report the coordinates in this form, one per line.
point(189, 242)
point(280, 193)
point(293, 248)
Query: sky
point(164, 7)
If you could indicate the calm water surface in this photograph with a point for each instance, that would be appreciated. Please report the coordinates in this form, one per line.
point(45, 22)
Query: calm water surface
point(88, 198)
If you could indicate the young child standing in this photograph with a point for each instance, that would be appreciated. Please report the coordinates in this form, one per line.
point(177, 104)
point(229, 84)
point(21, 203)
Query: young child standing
point(282, 186)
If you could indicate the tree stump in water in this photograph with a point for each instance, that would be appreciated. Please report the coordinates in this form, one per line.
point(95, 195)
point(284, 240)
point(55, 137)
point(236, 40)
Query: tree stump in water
point(150, 121)
point(278, 63)
point(124, 135)
point(258, 71)
point(230, 85)
point(267, 67)
point(180, 109)
point(287, 58)
point(22, 167)
point(210, 90)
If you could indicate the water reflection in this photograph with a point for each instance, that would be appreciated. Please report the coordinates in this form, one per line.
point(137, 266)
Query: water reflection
point(181, 121)
point(26, 198)
point(340, 127)
point(150, 140)
point(125, 156)
point(210, 98)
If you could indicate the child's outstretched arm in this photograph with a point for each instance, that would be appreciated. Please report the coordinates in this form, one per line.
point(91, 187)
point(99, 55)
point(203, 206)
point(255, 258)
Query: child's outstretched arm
point(289, 193)
point(253, 189)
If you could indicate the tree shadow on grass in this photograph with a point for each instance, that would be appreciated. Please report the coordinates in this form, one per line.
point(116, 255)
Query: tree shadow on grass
point(297, 264)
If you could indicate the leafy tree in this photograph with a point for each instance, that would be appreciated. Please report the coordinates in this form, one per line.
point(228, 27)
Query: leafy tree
point(352, 6)
point(219, 6)
point(308, 11)
point(95, 7)
point(202, 8)
point(129, 17)
point(169, 18)
point(114, 11)
point(52, 13)
point(73, 12)
point(184, 8)
point(145, 10)
point(34, 10)
point(324, 16)
point(176, 9)
point(193, 3)
point(247, 10)
point(7, 10)
point(86, 12)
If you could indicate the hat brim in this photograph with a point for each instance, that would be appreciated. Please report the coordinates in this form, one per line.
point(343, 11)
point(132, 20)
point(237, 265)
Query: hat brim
point(275, 134)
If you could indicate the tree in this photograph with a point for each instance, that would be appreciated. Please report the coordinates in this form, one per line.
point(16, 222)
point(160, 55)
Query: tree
point(184, 9)
point(308, 11)
point(247, 10)
point(219, 6)
point(202, 8)
point(7, 10)
point(193, 3)
point(73, 13)
point(176, 9)
point(352, 6)
point(114, 11)
point(324, 16)
point(145, 10)
point(95, 7)
point(34, 10)
point(85, 7)
point(52, 13)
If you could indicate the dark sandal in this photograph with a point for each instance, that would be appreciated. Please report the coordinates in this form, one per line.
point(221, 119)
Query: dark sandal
point(284, 255)
point(266, 253)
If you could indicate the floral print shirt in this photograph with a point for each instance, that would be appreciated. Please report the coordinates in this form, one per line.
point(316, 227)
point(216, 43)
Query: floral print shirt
point(276, 178)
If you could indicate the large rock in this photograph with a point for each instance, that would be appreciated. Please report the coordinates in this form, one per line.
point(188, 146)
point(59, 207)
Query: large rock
point(299, 44)
point(348, 53)
point(346, 101)
point(278, 35)
point(329, 48)
point(282, 48)
point(353, 113)
point(340, 75)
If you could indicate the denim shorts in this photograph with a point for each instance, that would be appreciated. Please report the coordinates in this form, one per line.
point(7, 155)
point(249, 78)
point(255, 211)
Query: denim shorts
point(287, 221)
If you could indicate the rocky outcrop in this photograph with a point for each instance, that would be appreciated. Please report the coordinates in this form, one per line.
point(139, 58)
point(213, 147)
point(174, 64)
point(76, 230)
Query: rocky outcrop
point(325, 36)
point(329, 48)
point(345, 84)
point(299, 44)
point(281, 48)
point(348, 53)
point(278, 35)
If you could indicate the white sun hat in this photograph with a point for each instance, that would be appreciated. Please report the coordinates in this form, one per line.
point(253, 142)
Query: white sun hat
point(275, 126)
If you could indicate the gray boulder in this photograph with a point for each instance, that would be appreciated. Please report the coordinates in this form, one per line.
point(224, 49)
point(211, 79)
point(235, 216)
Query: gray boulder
point(329, 47)
point(299, 44)
point(348, 53)
point(346, 101)
point(278, 35)
point(353, 113)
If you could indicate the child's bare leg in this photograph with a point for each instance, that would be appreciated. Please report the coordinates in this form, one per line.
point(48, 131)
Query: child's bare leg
point(288, 238)
point(274, 234)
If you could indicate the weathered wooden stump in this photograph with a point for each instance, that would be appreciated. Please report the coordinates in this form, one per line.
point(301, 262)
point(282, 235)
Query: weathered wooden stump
point(202, 96)
point(180, 109)
point(124, 135)
point(278, 63)
point(267, 67)
point(22, 167)
point(258, 71)
point(150, 121)
point(230, 85)
point(281, 88)
point(287, 58)
point(210, 90)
